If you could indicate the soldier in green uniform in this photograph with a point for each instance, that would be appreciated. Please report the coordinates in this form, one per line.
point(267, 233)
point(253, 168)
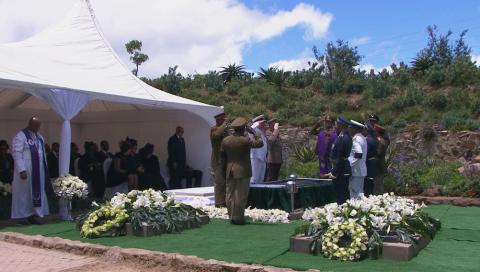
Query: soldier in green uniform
point(237, 168)
point(217, 134)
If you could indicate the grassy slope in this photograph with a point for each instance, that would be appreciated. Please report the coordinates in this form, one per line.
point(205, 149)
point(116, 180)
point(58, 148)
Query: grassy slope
point(456, 247)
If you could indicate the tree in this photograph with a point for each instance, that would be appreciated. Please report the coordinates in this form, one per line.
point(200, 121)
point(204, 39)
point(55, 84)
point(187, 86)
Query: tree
point(275, 76)
point(232, 71)
point(172, 82)
point(439, 50)
point(339, 60)
point(134, 48)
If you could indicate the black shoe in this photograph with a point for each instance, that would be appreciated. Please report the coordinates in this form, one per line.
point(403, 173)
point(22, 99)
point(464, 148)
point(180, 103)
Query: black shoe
point(35, 220)
point(22, 222)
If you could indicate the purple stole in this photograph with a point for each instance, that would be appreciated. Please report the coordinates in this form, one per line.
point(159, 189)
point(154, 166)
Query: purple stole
point(34, 153)
point(325, 142)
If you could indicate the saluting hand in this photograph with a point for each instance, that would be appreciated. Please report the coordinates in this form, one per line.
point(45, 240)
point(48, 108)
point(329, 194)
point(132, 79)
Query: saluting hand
point(276, 126)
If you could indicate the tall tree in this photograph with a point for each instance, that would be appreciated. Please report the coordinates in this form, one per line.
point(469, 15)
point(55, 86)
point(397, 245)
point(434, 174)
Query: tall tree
point(134, 48)
point(339, 60)
point(275, 76)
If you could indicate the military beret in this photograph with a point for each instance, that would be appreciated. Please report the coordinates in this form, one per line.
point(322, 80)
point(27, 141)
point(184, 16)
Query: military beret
point(258, 118)
point(357, 125)
point(239, 122)
point(343, 120)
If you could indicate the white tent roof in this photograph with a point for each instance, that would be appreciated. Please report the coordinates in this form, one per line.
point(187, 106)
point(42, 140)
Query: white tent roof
point(74, 55)
point(71, 68)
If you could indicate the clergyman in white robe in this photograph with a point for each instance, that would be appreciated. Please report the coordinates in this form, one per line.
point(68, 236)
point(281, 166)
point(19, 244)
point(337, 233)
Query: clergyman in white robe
point(22, 202)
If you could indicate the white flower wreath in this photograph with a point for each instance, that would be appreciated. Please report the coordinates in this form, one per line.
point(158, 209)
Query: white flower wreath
point(353, 237)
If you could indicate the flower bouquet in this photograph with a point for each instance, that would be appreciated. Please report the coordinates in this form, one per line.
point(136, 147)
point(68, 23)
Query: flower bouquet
point(67, 187)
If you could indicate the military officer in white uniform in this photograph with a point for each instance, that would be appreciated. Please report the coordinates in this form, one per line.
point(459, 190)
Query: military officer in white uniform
point(358, 160)
point(258, 156)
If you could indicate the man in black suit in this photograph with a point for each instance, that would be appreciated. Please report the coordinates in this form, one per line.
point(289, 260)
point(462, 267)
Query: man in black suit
point(104, 154)
point(52, 160)
point(177, 163)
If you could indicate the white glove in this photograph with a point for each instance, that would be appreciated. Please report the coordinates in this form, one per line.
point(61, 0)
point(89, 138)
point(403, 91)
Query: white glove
point(276, 126)
point(330, 175)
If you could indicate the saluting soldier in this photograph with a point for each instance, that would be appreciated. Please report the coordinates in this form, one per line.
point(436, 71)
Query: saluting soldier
point(217, 134)
point(235, 150)
point(372, 160)
point(358, 159)
point(341, 169)
point(274, 154)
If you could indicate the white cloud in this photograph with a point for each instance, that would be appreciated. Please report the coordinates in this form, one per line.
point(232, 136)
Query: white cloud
point(298, 63)
point(476, 58)
point(360, 40)
point(368, 67)
point(198, 35)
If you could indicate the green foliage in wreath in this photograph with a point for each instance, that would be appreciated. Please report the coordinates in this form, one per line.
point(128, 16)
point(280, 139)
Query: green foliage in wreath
point(104, 221)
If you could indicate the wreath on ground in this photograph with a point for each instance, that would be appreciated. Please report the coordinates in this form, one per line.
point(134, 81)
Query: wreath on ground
point(105, 220)
point(345, 241)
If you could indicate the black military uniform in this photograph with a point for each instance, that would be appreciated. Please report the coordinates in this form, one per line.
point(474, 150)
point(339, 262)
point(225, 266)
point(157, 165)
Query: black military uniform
point(372, 161)
point(341, 169)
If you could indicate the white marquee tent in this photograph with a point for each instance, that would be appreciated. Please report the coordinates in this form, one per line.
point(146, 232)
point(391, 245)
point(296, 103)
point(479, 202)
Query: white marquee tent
point(70, 77)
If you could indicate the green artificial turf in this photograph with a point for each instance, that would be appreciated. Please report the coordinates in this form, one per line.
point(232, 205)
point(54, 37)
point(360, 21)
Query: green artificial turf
point(455, 248)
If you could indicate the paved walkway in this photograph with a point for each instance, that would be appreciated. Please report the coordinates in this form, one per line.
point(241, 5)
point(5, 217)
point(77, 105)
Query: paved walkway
point(18, 258)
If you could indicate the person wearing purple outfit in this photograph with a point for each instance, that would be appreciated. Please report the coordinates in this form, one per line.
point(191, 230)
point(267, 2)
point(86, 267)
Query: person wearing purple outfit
point(325, 139)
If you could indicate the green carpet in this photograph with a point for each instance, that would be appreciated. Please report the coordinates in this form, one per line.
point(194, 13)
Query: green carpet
point(455, 248)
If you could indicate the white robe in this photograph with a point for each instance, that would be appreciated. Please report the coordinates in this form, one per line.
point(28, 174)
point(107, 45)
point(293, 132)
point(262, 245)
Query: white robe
point(22, 205)
point(258, 158)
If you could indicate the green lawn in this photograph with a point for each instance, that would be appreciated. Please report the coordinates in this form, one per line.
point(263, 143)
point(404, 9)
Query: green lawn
point(455, 248)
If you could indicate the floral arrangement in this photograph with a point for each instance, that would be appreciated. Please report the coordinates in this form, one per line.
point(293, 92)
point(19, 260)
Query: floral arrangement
point(5, 189)
point(148, 207)
point(69, 187)
point(106, 219)
point(382, 217)
point(272, 216)
point(345, 241)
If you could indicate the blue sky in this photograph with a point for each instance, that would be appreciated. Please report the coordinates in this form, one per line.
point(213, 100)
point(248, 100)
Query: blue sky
point(391, 31)
point(203, 35)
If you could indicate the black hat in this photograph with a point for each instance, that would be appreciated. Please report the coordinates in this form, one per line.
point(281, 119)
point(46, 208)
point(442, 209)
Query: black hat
point(343, 120)
point(373, 117)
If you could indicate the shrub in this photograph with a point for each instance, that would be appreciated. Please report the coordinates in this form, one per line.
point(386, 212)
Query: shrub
point(331, 87)
point(438, 101)
point(317, 83)
point(410, 97)
point(399, 123)
point(302, 170)
point(304, 153)
point(435, 75)
point(275, 101)
point(233, 87)
point(213, 81)
point(456, 121)
point(379, 88)
point(355, 85)
point(462, 71)
point(339, 105)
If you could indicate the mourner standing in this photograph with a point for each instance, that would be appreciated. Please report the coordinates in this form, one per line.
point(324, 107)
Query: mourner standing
point(275, 148)
point(325, 139)
point(258, 156)
point(236, 168)
point(357, 158)
point(382, 164)
point(31, 180)
point(341, 169)
point(217, 134)
point(372, 160)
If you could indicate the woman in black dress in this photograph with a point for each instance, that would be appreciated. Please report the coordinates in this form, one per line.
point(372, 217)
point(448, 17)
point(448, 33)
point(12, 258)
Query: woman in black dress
point(151, 178)
point(117, 178)
point(6, 163)
point(91, 170)
point(135, 167)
